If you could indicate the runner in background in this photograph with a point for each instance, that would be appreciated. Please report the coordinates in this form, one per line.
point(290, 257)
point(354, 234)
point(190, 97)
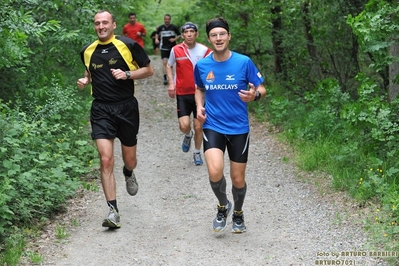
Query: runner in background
point(134, 30)
point(155, 47)
point(185, 56)
point(166, 37)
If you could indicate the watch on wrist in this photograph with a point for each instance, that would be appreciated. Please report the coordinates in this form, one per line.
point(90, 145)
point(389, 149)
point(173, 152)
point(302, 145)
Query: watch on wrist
point(258, 95)
point(127, 74)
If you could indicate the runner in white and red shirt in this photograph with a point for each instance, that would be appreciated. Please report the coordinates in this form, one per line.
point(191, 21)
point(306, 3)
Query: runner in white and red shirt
point(185, 56)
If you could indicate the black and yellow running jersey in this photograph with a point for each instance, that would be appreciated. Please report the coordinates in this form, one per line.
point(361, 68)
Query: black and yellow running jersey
point(118, 53)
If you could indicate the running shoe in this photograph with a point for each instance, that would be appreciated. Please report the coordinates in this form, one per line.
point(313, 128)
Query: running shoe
point(185, 146)
point(113, 219)
point(220, 222)
point(131, 184)
point(238, 222)
point(197, 158)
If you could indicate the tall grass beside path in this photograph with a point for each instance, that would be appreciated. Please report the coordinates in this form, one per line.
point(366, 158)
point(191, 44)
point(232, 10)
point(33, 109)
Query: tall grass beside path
point(352, 141)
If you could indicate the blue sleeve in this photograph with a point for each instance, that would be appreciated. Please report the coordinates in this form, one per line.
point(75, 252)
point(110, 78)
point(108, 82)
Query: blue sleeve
point(197, 77)
point(253, 74)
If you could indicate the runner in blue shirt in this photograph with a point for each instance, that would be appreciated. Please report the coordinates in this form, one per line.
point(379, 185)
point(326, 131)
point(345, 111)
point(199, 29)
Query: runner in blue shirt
point(226, 82)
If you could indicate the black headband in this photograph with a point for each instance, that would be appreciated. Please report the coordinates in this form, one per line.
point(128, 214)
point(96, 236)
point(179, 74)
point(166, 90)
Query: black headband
point(216, 24)
point(189, 25)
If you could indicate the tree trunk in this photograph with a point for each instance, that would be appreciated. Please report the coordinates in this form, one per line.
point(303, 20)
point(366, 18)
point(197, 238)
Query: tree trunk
point(308, 27)
point(393, 90)
point(276, 39)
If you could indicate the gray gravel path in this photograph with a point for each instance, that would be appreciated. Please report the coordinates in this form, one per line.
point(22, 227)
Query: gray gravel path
point(169, 221)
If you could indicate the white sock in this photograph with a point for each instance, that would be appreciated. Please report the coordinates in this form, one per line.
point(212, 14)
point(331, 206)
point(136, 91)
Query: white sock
point(196, 151)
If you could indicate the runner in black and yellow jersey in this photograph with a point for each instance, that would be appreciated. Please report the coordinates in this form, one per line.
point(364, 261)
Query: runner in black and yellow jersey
point(112, 63)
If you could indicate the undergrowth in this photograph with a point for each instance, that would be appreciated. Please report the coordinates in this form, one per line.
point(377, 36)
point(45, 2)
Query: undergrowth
point(44, 150)
point(352, 140)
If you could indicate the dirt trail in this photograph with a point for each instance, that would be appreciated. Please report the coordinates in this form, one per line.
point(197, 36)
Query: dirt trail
point(169, 221)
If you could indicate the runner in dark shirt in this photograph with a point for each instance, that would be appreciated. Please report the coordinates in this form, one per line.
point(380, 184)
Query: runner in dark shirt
point(112, 63)
point(167, 35)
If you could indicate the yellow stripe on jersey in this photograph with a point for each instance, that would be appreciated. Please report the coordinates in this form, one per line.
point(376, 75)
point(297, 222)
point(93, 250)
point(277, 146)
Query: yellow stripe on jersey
point(88, 53)
point(126, 54)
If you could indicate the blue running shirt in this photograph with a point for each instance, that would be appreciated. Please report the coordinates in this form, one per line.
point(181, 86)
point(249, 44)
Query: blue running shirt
point(221, 81)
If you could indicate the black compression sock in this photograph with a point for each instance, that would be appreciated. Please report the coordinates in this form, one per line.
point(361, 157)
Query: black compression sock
point(219, 189)
point(126, 172)
point(239, 196)
point(112, 203)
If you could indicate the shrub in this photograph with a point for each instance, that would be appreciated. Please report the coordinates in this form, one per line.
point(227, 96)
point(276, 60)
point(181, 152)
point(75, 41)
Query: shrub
point(44, 150)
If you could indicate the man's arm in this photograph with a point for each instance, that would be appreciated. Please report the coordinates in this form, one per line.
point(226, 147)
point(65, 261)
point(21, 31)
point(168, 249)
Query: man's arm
point(142, 72)
point(199, 100)
point(253, 94)
point(172, 86)
point(143, 32)
point(82, 82)
point(176, 38)
point(262, 90)
point(169, 73)
point(157, 35)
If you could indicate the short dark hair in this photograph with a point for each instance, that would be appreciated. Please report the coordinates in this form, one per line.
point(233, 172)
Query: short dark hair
point(106, 11)
point(167, 15)
point(132, 14)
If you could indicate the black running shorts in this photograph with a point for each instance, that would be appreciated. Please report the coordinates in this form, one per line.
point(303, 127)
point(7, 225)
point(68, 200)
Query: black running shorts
point(237, 145)
point(115, 120)
point(165, 54)
point(186, 105)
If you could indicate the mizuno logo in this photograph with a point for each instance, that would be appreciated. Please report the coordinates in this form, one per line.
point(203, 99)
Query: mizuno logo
point(230, 77)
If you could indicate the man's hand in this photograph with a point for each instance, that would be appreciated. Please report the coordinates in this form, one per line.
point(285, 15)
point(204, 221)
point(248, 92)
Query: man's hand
point(118, 74)
point(201, 116)
point(82, 82)
point(248, 95)
point(171, 90)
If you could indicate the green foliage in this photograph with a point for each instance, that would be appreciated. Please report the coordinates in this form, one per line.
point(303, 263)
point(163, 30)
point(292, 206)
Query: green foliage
point(13, 41)
point(355, 141)
point(45, 146)
point(376, 28)
point(13, 250)
point(92, 186)
point(323, 106)
point(61, 232)
point(250, 15)
point(329, 99)
point(44, 151)
point(34, 257)
point(314, 116)
point(279, 109)
point(383, 184)
point(316, 155)
point(372, 119)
